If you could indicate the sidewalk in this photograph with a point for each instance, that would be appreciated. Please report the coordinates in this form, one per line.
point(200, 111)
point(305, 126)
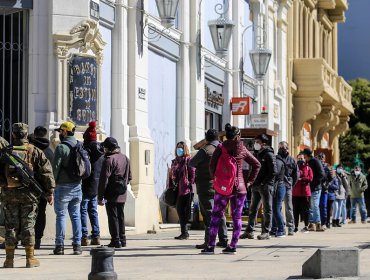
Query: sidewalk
point(159, 256)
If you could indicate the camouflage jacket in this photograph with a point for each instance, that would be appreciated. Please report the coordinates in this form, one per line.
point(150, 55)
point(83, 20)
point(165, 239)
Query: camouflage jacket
point(3, 143)
point(42, 169)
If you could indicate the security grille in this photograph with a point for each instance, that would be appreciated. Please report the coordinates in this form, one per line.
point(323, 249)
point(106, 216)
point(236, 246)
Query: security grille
point(13, 80)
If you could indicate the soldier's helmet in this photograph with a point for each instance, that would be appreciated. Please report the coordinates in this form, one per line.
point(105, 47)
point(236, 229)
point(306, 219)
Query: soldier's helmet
point(20, 127)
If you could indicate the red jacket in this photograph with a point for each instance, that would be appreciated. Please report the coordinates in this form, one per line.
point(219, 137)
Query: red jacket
point(240, 152)
point(302, 188)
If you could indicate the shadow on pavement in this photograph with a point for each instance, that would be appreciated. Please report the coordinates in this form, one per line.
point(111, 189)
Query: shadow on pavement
point(296, 277)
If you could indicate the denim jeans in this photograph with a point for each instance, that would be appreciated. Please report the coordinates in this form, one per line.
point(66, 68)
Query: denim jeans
point(89, 206)
point(278, 225)
point(69, 197)
point(361, 202)
point(314, 207)
point(337, 208)
point(343, 218)
point(324, 208)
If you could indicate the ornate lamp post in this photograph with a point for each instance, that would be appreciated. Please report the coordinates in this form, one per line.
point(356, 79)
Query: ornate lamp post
point(221, 30)
point(167, 10)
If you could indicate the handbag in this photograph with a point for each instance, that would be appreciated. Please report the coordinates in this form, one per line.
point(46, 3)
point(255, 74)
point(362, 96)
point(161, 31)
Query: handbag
point(169, 196)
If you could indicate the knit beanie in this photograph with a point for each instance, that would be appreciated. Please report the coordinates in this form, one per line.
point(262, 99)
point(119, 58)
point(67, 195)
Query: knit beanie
point(90, 133)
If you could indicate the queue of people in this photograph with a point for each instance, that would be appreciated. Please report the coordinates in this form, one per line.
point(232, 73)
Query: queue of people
point(312, 191)
point(76, 178)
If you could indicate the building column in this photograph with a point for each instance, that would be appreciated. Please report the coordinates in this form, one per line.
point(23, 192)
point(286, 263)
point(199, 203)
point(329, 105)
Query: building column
point(197, 110)
point(183, 77)
point(145, 204)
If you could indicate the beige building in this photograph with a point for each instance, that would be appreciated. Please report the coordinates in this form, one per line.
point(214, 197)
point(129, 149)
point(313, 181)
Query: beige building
point(319, 101)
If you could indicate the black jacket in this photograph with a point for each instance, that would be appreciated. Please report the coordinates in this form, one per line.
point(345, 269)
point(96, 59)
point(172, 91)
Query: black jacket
point(268, 171)
point(291, 170)
point(90, 184)
point(318, 174)
point(280, 171)
point(201, 162)
point(44, 145)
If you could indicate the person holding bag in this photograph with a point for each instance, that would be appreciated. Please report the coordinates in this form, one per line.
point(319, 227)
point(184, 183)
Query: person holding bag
point(227, 172)
point(182, 176)
point(115, 175)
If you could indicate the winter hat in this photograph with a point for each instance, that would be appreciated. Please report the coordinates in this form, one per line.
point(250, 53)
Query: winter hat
point(90, 133)
point(110, 143)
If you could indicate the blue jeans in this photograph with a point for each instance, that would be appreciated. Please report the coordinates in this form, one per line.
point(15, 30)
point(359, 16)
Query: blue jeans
point(314, 207)
point(89, 206)
point(337, 208)
point(361, 202)
point(69, 197)
point(344, 212)
point(324, 208)
point(278, 225)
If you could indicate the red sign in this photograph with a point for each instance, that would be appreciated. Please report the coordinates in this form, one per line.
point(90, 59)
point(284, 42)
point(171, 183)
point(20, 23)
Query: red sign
point(240, 105)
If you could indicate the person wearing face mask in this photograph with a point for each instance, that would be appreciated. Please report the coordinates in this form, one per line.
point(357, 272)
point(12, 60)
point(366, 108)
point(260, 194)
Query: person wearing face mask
point(183, 175)
point(238, 188)
point(324, 197)
point(68, 192)
point(316, 186)
point(302, 193)
point(340, 195)
point(358, 185)
point(262, 189)
point(284, 191)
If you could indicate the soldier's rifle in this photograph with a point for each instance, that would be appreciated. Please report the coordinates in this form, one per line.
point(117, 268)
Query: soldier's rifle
point(24, 172)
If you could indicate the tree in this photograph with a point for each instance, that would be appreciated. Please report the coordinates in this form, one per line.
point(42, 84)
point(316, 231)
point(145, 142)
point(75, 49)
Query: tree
point(357, 139)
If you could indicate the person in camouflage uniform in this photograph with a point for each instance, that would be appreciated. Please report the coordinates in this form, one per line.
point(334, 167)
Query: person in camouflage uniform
point(20, 202)
point(3, 144)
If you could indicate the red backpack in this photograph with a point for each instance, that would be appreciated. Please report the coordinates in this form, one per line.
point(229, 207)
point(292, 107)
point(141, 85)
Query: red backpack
point(225, 173)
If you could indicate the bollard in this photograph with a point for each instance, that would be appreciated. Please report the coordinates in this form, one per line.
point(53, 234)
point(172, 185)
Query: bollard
point(102, 264)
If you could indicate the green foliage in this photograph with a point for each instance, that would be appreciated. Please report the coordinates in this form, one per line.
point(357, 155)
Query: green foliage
point(357, 139)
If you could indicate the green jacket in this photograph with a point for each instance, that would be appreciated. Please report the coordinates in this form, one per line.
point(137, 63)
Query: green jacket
point(357, 185)
point(61, 161)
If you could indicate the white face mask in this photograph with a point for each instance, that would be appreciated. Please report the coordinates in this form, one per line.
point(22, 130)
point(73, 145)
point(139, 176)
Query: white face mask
point(357, 172)
point(257, 146)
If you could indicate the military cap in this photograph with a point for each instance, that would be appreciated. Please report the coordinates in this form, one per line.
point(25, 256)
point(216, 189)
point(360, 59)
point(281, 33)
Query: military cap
point(67, 126)
point(20, 127)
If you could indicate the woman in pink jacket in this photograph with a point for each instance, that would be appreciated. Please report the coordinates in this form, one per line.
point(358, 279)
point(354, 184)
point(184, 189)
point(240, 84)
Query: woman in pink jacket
point(302, 193)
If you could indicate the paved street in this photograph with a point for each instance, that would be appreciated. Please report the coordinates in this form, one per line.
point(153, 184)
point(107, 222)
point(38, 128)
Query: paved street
point(159, 256)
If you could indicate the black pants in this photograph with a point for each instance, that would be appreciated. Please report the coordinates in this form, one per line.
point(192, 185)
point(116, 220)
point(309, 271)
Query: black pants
point(183, 207)
point(116, 221)
point(261, 195)
point(206, 203)
point(40, 219)
point(301, 206)
point(330, 205)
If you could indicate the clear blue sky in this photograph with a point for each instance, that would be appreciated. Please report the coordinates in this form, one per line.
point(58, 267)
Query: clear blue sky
point(354, 41)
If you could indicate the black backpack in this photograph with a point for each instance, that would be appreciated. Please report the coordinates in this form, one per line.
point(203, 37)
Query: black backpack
point(79, 165)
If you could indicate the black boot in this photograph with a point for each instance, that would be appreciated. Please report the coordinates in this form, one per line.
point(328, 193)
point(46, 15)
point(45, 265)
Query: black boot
point(334, 223)
point(182, 236)
point(337, 223)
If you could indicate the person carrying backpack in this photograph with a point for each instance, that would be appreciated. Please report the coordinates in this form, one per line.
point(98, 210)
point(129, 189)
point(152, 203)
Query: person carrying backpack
point(68, 193)
point(226, 169)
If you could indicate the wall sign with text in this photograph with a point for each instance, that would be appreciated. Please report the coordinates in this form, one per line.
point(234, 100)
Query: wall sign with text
point(83, 91)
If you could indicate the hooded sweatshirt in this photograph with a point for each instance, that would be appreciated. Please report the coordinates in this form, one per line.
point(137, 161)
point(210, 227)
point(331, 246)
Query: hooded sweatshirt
point(44, 145)
point(266, 176)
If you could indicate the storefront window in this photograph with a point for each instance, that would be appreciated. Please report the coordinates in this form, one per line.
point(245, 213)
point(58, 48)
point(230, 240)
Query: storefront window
point(213, 104)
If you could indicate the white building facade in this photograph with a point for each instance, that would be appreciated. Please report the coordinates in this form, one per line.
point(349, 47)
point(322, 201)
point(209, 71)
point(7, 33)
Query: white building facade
point(147, 85)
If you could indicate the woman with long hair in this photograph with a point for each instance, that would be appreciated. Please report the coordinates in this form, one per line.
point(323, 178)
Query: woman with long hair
point(235, 192)
point(182, 175)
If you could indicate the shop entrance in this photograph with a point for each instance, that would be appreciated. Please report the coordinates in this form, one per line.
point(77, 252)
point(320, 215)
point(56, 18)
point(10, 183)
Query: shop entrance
point(13, 78)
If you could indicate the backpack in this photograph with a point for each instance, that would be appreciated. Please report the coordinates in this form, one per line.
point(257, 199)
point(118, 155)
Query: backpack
point(79, 165)
point(25, 153)
point(225, 174)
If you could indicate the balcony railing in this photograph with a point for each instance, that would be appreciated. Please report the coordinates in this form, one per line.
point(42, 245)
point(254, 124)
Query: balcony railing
point(345, 92)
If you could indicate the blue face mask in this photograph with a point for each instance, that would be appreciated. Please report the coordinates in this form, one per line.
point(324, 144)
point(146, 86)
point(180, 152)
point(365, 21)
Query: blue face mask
point(179, 152)
point(339, 171)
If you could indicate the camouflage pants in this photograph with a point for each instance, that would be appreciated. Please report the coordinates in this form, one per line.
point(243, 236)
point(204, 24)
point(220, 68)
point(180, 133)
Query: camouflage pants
point(20, 218)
